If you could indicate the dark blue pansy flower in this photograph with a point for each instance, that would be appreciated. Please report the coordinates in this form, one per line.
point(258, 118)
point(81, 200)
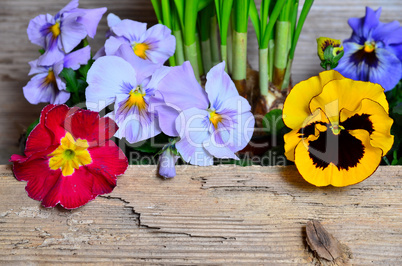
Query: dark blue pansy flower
point(374, 51)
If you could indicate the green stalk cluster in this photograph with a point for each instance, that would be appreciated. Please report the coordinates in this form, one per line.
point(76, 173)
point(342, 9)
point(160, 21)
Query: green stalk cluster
point(211, 31)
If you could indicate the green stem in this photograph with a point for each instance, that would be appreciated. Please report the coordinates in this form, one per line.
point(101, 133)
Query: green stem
point(214, 42)
point(199, 56)
point(229, 52)
point(190, 51)
point(179, 47)
point(224, 54)
point(271, 53)
point(206, 54)
point(286, 79)
point(263, 69)
point(282, 46)
point(239, 55)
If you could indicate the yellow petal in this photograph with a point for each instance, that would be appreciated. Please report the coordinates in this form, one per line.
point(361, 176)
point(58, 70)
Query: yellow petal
point(295, 136)
point(381, 123)
point(332, 175)
point(296, 108)
point(347, 94)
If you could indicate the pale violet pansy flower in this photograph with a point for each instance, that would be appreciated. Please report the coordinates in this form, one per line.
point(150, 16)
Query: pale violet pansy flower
point(46, 85)
point(215, 122)
point(154, 45)
point(129, 87)
point(61, 33)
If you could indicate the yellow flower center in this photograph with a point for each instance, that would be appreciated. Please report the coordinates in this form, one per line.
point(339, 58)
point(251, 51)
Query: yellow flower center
point(215, 118)
point(50, 78)
point(336, 128)
point(136, 99)
point(55, 29)
point(140, 50)
point(70, 155)
point(369, 47)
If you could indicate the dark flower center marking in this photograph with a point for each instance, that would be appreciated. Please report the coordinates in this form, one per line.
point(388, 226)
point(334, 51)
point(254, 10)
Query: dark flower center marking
point(359, 122)
point(343, 150)
point(366, 56)
point(337, 147)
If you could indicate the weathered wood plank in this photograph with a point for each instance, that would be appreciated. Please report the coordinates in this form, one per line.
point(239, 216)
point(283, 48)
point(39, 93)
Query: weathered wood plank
point(224, 215)
point(327, 18)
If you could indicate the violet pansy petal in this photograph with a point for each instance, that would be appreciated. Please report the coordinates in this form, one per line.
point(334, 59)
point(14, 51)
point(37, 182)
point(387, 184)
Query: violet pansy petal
point(371, 20)
point(346, 66)
point(388, 33)
point(108, 76)
point(61, 97)
point(35, 91)
point(101, 52)
point(37, 29)
point(132, 30)
point(70, 6)
point(181, 90)
point(91, 19)
point(219, 150)
point(167, 114)
point(52, 53)
point(388, 71)
point(71, 32)
point(143, 68)
point(167, 164)
point(162, 44)
point(112, 20)
point(396, 49)
point(113, 44)
point(219, 86)
point(192, 125)
point(36, 69)
point(79, 57)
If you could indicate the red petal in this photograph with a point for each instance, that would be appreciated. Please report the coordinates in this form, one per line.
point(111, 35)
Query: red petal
point(87, 125)
point(55, 119)
point(39, 176)
point(107, 160)
point(71, 191)
point(103, 185)
point(40, 138)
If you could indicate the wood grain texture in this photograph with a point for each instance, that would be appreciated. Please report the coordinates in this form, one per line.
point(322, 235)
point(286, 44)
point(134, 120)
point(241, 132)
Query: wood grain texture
point(327, 18)
point(227, 214)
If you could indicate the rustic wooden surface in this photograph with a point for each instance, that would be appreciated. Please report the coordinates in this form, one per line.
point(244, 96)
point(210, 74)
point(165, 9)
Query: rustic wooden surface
point(253, 215)
point(327, 18)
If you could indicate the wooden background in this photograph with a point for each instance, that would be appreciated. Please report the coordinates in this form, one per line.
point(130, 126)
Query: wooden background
point(327, 18)
point(223, 215)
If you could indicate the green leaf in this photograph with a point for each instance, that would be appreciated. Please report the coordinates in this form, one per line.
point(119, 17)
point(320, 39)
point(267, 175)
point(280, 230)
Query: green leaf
point(83, 70)
point(273, 122)
point(31, 127)
point(69, 76)
point(41, 51)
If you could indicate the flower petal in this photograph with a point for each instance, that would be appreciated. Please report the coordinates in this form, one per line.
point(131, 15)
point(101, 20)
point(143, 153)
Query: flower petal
point(132, 30)
point(79, 57)
point(332, 174)
point(219, 86)
point(161, 42)
point(346, 93)
point(389, 70)
point(377, 120)
point(72, 191)
point(187, 92)
point(91, 19)
point(37, 29)
point(167, 163)
point(167, 114)
point(295, 109)
point(192, 125)
point(71, 32)
point(108, 76)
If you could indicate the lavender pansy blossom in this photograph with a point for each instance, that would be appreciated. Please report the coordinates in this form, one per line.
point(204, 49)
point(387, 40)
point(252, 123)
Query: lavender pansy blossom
point(130, 87)
point(215, 122)
point(154, 45)
point(374, 51)
point(60, 34)
point(46, 85)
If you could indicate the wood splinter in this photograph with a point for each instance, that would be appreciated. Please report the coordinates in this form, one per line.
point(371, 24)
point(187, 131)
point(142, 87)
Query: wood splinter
point(325, 245)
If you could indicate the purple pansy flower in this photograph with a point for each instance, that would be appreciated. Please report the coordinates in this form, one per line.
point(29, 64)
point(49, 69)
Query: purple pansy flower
point(46, 86)
point(374, 51)
point(154, 45)
point(215, 122)
point(60, 34)
point(130, 86)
